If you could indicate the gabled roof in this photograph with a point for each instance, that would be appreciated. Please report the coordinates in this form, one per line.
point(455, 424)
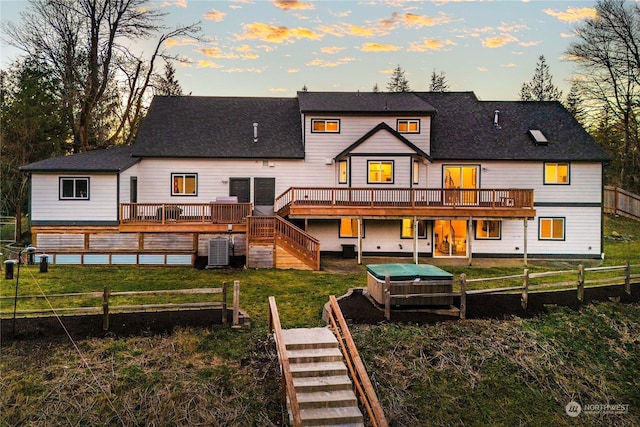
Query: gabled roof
point(368, 103)
point(116, 159)
point(464, 129)
point(221, 127)
point(376, 129)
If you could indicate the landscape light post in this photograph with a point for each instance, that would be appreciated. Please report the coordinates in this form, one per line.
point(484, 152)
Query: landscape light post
point(30, 250)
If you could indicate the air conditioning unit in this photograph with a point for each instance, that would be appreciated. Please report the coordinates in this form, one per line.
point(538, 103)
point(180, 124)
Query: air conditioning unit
point(218, 252)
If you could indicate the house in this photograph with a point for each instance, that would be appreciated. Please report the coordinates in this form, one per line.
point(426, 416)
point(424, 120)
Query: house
point(278, 181)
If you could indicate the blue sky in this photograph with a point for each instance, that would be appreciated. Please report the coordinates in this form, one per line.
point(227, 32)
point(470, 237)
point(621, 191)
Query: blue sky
point(275, 47)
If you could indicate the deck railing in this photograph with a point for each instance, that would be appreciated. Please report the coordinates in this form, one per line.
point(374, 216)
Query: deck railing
point(168, 213)
point(405, 197)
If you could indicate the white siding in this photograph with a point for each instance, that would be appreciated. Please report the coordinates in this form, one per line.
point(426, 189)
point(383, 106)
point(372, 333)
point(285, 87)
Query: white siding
point(47, 206)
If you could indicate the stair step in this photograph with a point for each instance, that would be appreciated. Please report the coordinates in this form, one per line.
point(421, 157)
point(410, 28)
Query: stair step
point(307, 355)
point(305, 338)
point(329, 383)
point(321, 369)
point(327, 399)
point(331, 416)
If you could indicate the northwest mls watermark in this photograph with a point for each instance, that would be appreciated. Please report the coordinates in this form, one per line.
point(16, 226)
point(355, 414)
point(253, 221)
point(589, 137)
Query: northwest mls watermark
point(574, 409)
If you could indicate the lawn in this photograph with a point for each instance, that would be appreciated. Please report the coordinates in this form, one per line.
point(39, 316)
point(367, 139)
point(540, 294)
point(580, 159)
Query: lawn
point(475, 372)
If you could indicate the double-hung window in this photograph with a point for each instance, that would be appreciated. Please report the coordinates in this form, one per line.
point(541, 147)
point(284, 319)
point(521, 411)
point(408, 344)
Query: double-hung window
point(325, 125)
point(342, 172)
point(408, 227)
point(551, 229)
point(184, 184)
point(349, 227)
point(74, 188)
point(556, 173)
point(380, 172)
point(408, 126)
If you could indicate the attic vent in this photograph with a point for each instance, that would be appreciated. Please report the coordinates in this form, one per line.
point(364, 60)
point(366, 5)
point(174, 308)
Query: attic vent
point(538, 137)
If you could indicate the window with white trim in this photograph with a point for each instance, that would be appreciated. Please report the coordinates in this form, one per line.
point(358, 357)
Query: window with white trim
point(184, 184)
point(551, 228)
point(74, 188)
point(325, 125)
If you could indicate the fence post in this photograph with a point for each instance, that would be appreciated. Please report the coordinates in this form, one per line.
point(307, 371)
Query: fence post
point(224, 303)
point(627, 278)
point(387, 298)
point(463, 296)
point(236, 304)
point(105, 309)
point(580, 289)
point(524, 299)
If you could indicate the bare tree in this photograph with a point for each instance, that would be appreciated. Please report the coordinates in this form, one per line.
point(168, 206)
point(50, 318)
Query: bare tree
point(608, 58)
point(86, 43)
point(541, 87)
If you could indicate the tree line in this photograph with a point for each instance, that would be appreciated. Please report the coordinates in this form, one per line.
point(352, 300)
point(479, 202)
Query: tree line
point(78, 86)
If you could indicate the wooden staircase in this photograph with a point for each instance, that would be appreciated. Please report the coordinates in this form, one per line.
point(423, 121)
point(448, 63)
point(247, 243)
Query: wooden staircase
point(323, 389)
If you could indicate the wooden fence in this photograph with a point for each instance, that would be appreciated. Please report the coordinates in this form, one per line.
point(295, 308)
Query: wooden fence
point(107, 308)
point(620, 202)
point(579, 283)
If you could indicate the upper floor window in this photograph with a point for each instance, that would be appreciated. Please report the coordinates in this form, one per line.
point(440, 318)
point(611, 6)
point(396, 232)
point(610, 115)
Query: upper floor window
point(551, 229)
point(487, 229)
point(342, 172)
point(325, 125)
point(184, 184)
point(408, 125)
point(556, 173)
point(74, 188)
point(380, 172)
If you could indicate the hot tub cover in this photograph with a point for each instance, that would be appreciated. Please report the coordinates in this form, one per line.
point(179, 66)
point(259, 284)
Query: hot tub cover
point(400, 272)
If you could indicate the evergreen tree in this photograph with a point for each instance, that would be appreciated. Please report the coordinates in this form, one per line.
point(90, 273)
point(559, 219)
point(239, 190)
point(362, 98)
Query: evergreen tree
point(398, 82)
point(541, 87)
point(168, 85)
point(574, 102)
point(438, 82)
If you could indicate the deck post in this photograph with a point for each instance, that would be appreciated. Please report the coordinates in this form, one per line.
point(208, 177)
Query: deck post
point(359, 220)
point(524, 299)
point(526, 225)
point(627, 278)
point(469, 240)
point(224, 303)
point(415, 239)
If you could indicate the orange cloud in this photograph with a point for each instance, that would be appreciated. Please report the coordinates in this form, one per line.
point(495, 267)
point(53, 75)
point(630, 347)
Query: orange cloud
point(293, 70)
point(276, 34)
point(498, 41)
point(341, 30)
point(429, 44)
point(244, 70)
point(529, 44)
point(323, 63)
point(179, 42)
point(573, 14)
point(215, 52)
point(292, 4)
point(203, 63)
point(377, 47)
point(409, 19)
point(214, 15)
point(331, 49)
point(278, 89)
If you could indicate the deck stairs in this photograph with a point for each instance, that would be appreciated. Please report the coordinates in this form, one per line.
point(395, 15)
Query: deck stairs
point(322, 386)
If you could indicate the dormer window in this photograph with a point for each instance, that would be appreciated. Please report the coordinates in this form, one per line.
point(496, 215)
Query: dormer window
point(325, 125)
point(408, 126)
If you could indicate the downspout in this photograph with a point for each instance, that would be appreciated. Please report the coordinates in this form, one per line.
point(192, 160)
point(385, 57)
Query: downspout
point(415, 240)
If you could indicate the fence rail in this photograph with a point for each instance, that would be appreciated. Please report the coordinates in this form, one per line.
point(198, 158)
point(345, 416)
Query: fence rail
point(108, 308)
point(579, 283)
point(621, 202)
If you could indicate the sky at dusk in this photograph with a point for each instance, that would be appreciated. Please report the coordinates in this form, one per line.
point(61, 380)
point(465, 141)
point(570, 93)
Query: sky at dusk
point(274, 48)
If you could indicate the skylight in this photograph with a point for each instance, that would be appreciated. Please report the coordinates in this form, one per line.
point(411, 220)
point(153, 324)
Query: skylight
point(538, 137)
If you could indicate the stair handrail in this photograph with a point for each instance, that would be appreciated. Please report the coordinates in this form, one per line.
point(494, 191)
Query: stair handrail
point(361, 380)
point(310, 246)
point(289, 390)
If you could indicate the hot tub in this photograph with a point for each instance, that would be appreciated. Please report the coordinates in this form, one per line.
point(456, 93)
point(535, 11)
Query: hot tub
point(410, 279)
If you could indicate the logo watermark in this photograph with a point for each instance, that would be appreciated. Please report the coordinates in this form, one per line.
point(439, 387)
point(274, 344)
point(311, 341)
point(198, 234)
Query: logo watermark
point(574, 409)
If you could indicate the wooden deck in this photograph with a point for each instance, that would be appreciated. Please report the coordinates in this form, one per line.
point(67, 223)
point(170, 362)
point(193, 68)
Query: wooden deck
point(403, 202)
